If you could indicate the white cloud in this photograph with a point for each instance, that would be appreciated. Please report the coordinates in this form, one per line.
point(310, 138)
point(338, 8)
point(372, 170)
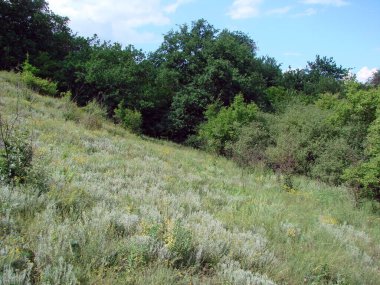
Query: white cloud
point(116, 20)
point(365, 73)
point(172, 8)
point(279, 11)
point(337, 3)
point(137, 12)
point(242, 9)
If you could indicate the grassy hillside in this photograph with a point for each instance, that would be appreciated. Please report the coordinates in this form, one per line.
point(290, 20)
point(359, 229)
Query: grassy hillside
point(109, 207)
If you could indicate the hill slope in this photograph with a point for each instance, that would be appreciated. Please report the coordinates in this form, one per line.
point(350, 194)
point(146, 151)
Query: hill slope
point(121, 209)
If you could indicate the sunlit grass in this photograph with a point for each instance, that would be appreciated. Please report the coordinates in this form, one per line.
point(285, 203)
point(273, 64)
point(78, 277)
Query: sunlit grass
point(125, 209)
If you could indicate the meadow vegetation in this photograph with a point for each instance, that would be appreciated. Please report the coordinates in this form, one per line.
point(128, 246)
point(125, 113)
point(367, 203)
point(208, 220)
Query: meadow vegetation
point(206, 88)
point(88, 202)
point(93, 189)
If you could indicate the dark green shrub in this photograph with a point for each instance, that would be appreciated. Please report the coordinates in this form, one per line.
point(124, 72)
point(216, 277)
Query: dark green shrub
point(187, 112)
point(280, 98)
point(195, 141)
point(129, 119)
point(224, 126)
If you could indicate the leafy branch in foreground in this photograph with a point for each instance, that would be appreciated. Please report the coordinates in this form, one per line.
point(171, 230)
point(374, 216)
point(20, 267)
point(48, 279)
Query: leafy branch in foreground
point(15, 152)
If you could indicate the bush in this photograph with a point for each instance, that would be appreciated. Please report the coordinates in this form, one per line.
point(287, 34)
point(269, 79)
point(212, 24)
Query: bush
point(332, 161)
point(140, 251)
point(250, 148)
point(15, 154)
point(129, 119)
point(223, 127)
point(279, 98)
point(95, 114)
point(366, 175)
point(40, 85)
point(195, 141)
point(302, 134)
point(179, 241)
point(358, 117)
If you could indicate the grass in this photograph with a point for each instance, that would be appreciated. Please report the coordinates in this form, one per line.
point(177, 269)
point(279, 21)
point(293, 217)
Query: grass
point(125, 209)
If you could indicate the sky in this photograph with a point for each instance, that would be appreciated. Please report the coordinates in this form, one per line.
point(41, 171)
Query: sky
point(291, 31)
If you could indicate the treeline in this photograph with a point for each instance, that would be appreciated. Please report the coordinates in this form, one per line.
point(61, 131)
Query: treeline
point(208, 88)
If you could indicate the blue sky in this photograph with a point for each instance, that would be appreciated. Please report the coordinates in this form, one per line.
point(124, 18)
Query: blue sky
point(292, 31)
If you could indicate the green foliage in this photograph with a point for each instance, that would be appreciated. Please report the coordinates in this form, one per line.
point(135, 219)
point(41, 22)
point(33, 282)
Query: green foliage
point(324, 75)
point(320, 76)
point(373, 139)
point(294, 79)
point(280, 98)
point(359, 106)
point(186, 112)
point(205, 66)
point(139, 252)
point(15, 153)
point(332, 161)
point(40, 85)
point(115, 73)
point(366, 175)
point(305, 144)
point(196, 65)
point(270, 70)
point(327, 101)
point(129, 119)
point(358, 117)
point(30, 27)
point(326, 67)
point(254, 139)
point(365, 178)
point(27, 67)
point(324, 275)
point(224, 127)
point(94, 116)
point(180, 244)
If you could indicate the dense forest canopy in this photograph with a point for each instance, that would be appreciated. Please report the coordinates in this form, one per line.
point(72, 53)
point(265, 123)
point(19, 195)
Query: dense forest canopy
point(208, 88)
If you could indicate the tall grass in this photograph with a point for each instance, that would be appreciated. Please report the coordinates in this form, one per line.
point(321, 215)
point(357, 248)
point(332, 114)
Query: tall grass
point(121, 209)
